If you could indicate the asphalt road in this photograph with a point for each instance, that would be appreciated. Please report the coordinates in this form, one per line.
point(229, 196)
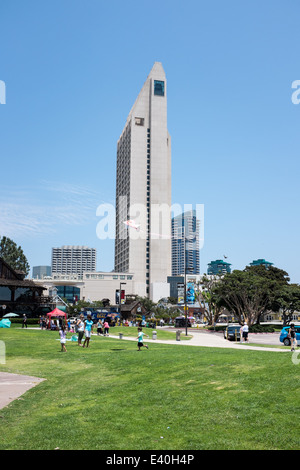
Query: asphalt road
point(259, 338)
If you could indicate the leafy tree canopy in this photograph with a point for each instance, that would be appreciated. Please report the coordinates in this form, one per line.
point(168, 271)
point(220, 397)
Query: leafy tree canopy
point(13, 255)
point(252, 292)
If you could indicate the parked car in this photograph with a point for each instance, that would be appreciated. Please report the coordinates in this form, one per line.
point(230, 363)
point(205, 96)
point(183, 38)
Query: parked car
point(232, 332)
point(73, 320)
point(180, 322)
point(283, 338)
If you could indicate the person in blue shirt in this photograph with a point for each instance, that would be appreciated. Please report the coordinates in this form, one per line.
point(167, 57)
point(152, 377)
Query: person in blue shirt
point(87, 331)
point(140, 339)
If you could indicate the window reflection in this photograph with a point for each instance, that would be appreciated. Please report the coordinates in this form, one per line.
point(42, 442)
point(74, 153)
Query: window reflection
point(5, 293)
point(159, 88)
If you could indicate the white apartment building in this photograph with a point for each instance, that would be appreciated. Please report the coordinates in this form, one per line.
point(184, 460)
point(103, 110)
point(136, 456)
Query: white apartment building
point(73, 259)
point(143, 189)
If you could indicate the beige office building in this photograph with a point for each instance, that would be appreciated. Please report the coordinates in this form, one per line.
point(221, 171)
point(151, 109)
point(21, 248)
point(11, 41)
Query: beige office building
point(143, 189)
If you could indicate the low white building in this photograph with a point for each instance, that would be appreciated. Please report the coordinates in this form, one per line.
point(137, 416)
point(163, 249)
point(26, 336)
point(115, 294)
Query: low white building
point(92, 286)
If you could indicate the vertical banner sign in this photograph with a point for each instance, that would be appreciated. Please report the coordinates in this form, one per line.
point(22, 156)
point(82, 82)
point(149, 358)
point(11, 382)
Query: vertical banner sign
point(122, 296)
point(190, 293)
point(180, 293)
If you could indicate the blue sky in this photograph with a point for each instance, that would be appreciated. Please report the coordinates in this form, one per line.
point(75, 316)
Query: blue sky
point(73, 69)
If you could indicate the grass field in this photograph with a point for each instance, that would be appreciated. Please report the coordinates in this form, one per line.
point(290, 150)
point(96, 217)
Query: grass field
point(112, 397)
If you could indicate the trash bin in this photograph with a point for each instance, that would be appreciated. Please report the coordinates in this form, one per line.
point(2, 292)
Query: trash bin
point(154, 335)
point(178, 333)
point(121, 335)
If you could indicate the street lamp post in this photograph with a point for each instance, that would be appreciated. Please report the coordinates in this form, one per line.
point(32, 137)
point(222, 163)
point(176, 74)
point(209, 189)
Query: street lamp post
point(120, 302)
point(185, 286)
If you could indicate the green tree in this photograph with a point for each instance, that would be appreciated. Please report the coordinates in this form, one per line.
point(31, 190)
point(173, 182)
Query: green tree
point(283, 296)
point(208, 298)
point(247, 294)
point(271, 272)
point(146, 303)
point(288, 302)
point(13, 255)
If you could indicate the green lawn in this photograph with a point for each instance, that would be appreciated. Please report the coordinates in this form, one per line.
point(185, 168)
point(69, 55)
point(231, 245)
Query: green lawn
point(131, 332)
point(161, 334)
point(112, 397)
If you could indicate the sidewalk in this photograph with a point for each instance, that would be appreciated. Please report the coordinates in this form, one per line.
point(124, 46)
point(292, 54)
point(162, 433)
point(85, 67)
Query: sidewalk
point(206, 340)
point(12, 386)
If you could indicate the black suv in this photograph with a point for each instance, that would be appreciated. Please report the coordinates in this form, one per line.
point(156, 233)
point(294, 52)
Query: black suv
point(232, 333)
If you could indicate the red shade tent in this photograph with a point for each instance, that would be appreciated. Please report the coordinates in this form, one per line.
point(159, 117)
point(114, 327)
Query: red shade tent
point(57, 313)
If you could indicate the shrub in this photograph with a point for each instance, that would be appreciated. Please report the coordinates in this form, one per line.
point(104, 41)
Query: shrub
point(30, 321)
point(261, 329)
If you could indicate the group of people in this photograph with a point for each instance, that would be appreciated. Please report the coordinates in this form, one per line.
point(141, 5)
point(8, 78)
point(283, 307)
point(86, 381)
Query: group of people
point(103, 327)
point(49, 323)
point(244, 331)
point(83, 328)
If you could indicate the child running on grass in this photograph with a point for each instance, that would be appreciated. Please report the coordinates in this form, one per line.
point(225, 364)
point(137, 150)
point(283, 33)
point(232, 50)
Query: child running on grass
point(140, 339)
point(63, 337)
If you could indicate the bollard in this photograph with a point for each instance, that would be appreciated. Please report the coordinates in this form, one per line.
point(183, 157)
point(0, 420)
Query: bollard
point(121, 335)
point(154, 335)
point(178, 333)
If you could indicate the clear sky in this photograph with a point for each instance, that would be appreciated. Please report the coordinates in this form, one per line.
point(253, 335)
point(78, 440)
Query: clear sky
point(73, 69)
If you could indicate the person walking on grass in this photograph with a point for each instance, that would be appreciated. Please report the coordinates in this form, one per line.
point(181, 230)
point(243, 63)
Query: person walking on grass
point(241, 333)
point(292, 336)
point(106, 328)
point(80, 329)
point(99, 327)
point(88, 329)
point(140, 339)
point(63, 337)
point(245, 332)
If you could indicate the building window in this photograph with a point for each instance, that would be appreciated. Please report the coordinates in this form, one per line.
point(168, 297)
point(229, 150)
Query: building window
point(159, 88)
point(5, 293)
point(139, 121)
point(23, 294)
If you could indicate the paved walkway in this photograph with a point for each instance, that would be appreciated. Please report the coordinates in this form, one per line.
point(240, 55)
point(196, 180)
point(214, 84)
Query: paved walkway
point(210, 340)
point(12, 386)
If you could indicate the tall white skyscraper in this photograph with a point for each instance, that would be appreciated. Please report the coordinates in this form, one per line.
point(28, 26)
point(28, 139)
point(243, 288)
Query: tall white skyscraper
point(143, 186)
point(73, 259)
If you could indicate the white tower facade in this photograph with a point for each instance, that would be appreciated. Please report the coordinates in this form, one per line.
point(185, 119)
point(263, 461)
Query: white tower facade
point(143, 186)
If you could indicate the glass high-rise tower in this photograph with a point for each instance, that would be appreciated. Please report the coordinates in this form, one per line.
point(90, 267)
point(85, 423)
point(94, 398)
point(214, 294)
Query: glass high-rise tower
point(143, 186)
point(185, 244)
